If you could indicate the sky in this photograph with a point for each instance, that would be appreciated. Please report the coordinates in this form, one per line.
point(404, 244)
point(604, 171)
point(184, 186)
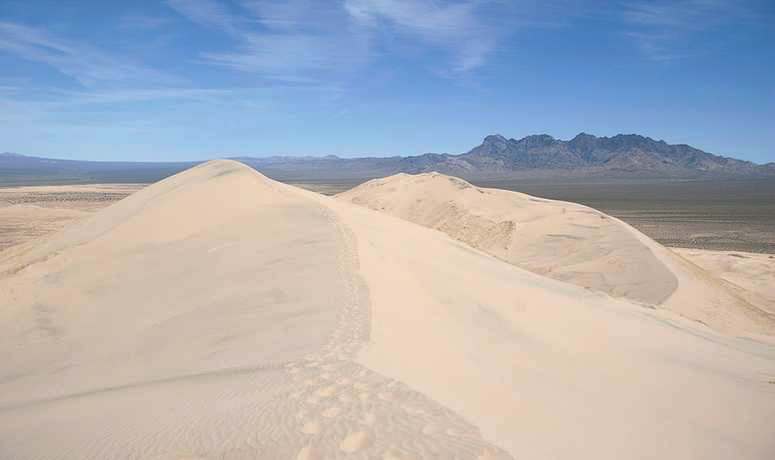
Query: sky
point(196, 79)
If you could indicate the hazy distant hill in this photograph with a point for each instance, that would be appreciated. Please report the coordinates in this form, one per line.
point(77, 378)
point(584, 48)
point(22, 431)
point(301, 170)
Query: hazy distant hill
point(621, 156)
point(18, 169)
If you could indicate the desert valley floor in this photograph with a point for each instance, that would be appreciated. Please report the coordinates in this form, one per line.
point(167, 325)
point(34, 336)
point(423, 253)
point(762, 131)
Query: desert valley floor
point(220, 314)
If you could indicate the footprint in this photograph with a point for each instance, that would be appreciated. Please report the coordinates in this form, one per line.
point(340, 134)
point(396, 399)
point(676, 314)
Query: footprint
point(355, 441)
point(327, 391)
point(430, 429)
point(308, 453)
point(311, 427)
point(331, 412)
point(487, 455)
point(392, 455)
point(413, 410)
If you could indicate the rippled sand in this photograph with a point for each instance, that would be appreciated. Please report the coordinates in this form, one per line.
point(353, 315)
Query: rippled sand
point(219, 314)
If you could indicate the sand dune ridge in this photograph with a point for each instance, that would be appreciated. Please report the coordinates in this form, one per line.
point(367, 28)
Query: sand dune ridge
point(219, 314)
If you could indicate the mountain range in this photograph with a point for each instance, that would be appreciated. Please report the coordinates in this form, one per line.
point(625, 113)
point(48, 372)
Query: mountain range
point(497, 157)
point(623, 155)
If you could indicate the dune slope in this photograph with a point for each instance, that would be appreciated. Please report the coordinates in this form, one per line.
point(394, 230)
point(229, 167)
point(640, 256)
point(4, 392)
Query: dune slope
point(752, 274)
point(219, 314)
point(564, 241)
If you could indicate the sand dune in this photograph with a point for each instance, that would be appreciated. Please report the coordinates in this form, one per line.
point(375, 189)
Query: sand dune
point(751, 274)
point(564, 241)
point(30, 212)
point(219, 314)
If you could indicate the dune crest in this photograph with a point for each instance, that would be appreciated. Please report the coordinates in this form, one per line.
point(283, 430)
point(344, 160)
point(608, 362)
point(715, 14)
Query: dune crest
point(220, 314)
point(564, 241)
point(752, 274)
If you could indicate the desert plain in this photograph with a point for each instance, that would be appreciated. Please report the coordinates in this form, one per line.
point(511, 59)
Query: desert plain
point(220, 314)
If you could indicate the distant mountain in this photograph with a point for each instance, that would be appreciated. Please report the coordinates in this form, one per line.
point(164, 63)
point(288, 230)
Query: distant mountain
point(16, 169)
point(536, 156)
point(624, 155)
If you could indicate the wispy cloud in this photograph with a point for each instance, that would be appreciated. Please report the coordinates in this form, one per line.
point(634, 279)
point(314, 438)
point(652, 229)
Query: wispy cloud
point(52, 110)
point(293, 39)
point(84, 63)
point(110, 80)
point(664, 30)
point(209, 13)
point(309, 15)
point(142, 95)
point(457, 26)
point(291, 58)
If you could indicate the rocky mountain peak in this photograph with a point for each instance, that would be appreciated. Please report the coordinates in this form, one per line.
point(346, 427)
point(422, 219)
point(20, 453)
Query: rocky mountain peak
point(537, 140)
point(494, 138)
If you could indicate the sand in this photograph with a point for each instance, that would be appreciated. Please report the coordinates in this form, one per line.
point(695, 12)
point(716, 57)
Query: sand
point(561, 240)
point(715, 214)
point(750, 274)
point(564, 241)
point(27, 213)
point(219, 314)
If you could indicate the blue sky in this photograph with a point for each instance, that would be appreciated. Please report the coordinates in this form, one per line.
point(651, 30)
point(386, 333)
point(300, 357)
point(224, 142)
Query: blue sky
point(193, 79)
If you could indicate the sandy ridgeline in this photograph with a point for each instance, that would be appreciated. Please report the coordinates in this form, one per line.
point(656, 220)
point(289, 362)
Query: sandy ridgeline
point(568, 242)
point(27, 213)
point(219, 314)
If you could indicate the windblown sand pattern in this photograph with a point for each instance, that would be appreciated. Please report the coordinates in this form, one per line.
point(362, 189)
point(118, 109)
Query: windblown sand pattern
point(301, 395)
point(567, 242)
point(221, 315)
